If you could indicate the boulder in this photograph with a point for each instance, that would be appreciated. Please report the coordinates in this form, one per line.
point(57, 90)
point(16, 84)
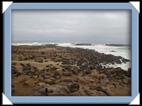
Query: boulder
point(73, 87)
point(49, 81)
point(39, 59)
point(67, 73)
point(57, 75)
point(42, 92)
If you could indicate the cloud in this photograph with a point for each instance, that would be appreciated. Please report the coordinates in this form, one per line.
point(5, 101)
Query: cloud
point(71, 25)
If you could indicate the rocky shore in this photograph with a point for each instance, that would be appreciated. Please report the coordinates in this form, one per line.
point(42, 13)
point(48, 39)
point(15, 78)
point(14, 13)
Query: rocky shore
point(51, 70)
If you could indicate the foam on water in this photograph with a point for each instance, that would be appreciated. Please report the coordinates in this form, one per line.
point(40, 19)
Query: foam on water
point(30, 44)
point(124, 66)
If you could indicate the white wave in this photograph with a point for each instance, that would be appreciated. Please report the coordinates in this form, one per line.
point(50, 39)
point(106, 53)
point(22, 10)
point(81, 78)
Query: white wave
point(124, 66)
point(33, 43)
point(65, 44)
point(114, 50)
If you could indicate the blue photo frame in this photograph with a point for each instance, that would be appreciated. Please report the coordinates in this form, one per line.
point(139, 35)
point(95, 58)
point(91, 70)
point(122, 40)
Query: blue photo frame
point(71, 99)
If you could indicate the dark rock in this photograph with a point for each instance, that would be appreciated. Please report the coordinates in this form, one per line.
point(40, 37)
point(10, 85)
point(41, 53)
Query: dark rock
point(38, 59)
point(84, 64)
point(128, 72)
point(65, 61)
point(74, 69)
point(99, 67)
point(104, 81)
point(42, 92)
point(86, 72)
point(26, 68)
point(118, 61)
point(42, 53)
point(35, 76)
point(53, 68)
point(112, 51)
point(14, 71)
point(73, 87)
point(50, 81)
point(103, 89)
point(57, 75)
point(125, 81)
point(67, 73)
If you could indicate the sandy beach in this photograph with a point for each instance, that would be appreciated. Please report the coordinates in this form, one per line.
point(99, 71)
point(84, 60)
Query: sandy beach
point(50, 70)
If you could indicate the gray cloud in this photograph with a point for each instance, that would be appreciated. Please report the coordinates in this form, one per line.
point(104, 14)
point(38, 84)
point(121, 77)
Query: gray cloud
point(96, 26)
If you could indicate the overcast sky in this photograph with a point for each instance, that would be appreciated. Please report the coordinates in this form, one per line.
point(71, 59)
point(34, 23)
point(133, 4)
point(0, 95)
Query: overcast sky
point(71, 26)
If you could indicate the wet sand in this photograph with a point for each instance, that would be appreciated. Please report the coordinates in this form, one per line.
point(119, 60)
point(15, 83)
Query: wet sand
point(51, 70)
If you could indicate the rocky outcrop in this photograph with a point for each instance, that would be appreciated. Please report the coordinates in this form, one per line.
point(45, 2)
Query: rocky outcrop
point(62, 71)
point(73, 87)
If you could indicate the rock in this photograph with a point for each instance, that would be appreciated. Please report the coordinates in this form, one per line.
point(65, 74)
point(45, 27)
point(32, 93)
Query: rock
point(14, 71)
point(91, 67)
point(57, 75)
point(41, 84)
point(45, 76)
point(66, 66)
point(87, 71)
point(53, 68)
point(104, 81)
point(118, 70)
point(39, 59)
point(26, 68)
point(42, 53)
point(98, 67)
point(128, 73)
point(75, 70)
point(125, 81)
point(48, 65)
point(31, 57)
point(67, 80)
point(118, 61)
point(46, 60)
point(26, 83)
point(73, 87)
point(34, 69)
point(104, 90)
point(66, 73)
point(112, 51)
point(84, 64)
point(100, 93)
point(22, 64)
point(21, 58)
point(42, 92)
point(52, 90)
point(65, 61)
point(35, 76)
point(49, 81)
point(125, 60)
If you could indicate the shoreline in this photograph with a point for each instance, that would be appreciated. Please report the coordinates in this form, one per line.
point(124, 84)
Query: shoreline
point(123, 65)
point(66, 71)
